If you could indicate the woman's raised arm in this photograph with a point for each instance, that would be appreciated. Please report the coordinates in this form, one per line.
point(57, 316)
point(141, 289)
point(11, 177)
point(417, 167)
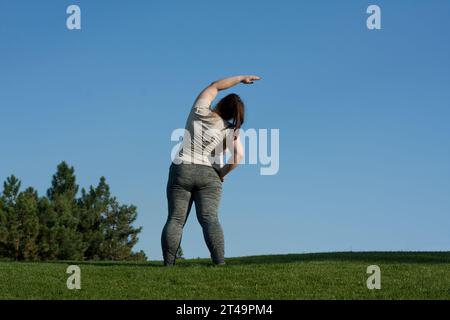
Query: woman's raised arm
point(211, 91)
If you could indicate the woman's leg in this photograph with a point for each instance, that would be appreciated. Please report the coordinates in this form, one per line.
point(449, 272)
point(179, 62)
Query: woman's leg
point(207, 200)
point(179, 200)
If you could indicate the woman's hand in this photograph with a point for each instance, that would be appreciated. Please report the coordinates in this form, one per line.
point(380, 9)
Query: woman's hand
point(250, 79)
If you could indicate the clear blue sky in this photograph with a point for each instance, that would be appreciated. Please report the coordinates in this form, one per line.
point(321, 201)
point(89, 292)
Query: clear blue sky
point(363, 115)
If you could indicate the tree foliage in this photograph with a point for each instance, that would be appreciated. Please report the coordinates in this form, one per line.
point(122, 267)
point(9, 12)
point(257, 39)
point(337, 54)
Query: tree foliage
point(62, 226)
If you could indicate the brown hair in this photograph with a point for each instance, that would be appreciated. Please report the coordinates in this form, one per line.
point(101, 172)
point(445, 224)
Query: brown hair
point(231, 108)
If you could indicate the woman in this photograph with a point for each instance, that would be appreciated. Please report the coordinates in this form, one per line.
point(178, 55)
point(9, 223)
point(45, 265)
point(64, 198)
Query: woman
point(195, 176)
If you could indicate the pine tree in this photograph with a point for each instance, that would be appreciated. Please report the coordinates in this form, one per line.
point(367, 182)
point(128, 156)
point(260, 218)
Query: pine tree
point(27, 214)
point(11, 188)
point(63, 183)
point(3, 230)
point(120, 235)
point(62, 196)
point(62, 226)
point(93, 207)
point(48, 245)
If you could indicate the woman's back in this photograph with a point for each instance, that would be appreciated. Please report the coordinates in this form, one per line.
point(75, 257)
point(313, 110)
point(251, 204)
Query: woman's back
point(205, 136)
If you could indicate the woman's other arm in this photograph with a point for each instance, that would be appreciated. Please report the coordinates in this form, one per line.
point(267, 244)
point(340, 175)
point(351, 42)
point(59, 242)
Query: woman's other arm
point(236, 157)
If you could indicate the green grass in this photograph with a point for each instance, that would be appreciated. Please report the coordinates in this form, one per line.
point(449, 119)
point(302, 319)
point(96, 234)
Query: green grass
point(404, 275)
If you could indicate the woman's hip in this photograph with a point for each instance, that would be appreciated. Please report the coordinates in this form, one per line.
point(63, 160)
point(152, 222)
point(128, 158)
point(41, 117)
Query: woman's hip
point(193, 175)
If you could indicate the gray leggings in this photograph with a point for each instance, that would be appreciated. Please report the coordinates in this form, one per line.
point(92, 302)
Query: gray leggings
point(200, 184)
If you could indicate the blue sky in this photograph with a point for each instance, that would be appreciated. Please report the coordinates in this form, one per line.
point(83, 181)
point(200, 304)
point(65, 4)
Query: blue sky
point(363, 115)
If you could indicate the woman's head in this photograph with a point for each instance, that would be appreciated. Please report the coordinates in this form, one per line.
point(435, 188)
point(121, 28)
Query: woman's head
point(231, 108)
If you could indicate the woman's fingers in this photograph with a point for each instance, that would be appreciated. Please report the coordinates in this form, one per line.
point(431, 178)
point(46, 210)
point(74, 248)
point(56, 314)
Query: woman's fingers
point(251, 79)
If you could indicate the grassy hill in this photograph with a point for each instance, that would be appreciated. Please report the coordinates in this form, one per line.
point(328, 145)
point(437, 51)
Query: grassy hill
point(404, 275)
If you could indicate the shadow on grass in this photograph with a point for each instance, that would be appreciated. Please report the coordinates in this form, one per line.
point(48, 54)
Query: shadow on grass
point(367, 257)
point(147, 264)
